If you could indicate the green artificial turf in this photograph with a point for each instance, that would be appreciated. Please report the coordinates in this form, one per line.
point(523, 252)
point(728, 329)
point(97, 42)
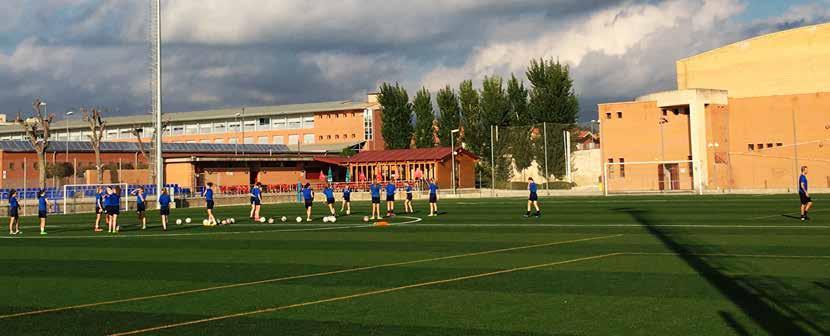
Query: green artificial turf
point(640, 265)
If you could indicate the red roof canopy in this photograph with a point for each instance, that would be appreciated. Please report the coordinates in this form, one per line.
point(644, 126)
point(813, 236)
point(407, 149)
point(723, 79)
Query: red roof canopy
point(402, 155)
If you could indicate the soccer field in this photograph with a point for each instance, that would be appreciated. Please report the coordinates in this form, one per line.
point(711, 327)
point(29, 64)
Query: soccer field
point(645, 265)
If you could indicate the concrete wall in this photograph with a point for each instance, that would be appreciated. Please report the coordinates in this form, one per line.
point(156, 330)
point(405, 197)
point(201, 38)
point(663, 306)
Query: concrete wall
point(587, 167)
point(789, 62)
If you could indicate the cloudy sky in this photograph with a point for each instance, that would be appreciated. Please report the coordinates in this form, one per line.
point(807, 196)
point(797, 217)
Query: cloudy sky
point(220, 53)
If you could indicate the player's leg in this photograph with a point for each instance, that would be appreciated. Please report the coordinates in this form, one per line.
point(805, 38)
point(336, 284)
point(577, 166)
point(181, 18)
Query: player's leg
point(164, 222)
point(253, 208)
point(529, 204)
point(307, 212)
point(11, 225)
point(348, 208)
point(210, 218)
point(97, 219)
point(807, 209)
point(43, 225)
point(536, 206)
point(115, 221)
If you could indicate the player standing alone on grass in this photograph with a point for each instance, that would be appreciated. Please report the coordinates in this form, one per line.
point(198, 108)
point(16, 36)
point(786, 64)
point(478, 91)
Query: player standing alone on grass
point(374, 190)
point(14, 213)
point(256, 193)
point(533, 200)
point(164, 208)
point(407, 204)
point(390, 199)
point(112, 204)
point(329, 192)
point(347, 200)
point(804, 194)
point(42, 209)
point(433, 198)
point(209, 203)
point(140, 207)
point(99, 208)
point(308, 198)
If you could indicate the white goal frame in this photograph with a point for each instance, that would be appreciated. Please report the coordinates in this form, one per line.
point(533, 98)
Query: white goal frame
point(124, 186)
point(697, 181)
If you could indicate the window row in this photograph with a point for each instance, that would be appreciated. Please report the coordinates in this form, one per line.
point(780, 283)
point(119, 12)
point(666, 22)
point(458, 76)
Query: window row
point(293, 139)
point(760, 146)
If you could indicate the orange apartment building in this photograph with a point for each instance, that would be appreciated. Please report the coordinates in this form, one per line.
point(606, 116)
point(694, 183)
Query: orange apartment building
point(744, 116)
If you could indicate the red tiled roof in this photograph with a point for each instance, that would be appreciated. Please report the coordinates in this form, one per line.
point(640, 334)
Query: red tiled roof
point(335, 160)
point(419, 154)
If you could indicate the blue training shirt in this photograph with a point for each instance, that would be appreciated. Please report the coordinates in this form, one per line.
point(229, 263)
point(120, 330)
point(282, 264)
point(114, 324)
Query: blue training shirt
point(802, 184)
point(390, 189)
point(307, 194)
point(375, 190)
point(139, 199)
point(99, 199)
point(433, 189)
point(347, 193)
point(532, 187)
point(41, 203)
point(164, 200)
point(408, 189)
point(329, 193)
point(209, 194)
point(13, 202)
point(256, 192)
point(113, 200)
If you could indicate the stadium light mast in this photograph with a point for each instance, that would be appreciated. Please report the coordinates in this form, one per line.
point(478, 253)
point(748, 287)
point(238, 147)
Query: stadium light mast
point(155, 65)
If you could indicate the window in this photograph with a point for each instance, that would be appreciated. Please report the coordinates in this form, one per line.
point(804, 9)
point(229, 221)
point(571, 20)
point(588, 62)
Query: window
point(769, 145)
point(751, 147)
point(248, 140)
point(619, 115)
point(354, 135)
point(111, 134)
point(11, 165)
point(779, 144)
point(279, 140)
point(665, 113)
point(607, 115)
point(278, 123)
point(234, 127)
point(178, 130)
point(293, 139)
point(337, 137)
point(192, 129)
point(264, 121)
point(219, 141)
point(262, 140)
point(622, 167)
point(368, 127)
point(205, 128)
point(610, 167)
point(219, 127)
point(328, 137)
point(760, 146)
point(295, 123)
point(250, 125)
point(232, 140)
point(308, 138)
point(691, 167)
point(321, 137)
point(308, 122)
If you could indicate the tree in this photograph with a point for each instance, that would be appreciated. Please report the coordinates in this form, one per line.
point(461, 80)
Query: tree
point(396, 117)
point(424, 116)
point(470, 104)
point(553, 101)
point(518, 136)
point(495, 111)
point(137, 133)
point(517, 100)
point(37, 129)
point(97, 126)
point(450, 114)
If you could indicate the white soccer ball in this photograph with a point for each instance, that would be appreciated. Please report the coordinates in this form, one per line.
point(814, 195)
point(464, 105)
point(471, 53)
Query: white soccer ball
point(224, 222)
point(365, 218)
point(187, 220)
point(333, 219)
point(231, 220)
point(205, 222)
point(284, 218)
point(326, 219)
point(270, 221)
point(178, 222)
point(299, 219)
point(262, 219)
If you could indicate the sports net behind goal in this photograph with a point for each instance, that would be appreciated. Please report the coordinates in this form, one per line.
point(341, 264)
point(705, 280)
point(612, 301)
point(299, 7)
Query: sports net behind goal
point(650, 177)
point(78, 198)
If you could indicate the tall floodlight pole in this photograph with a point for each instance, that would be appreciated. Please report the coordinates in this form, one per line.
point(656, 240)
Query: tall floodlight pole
point(155, 35)
point(452, 147)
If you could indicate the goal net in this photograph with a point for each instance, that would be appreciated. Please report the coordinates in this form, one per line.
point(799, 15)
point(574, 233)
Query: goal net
point(651, 177)
point(78, 198)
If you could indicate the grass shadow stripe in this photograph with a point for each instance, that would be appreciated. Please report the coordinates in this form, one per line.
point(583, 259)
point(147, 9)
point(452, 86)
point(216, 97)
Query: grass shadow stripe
point(359, 295)
point(727, 255)
point(302, 276)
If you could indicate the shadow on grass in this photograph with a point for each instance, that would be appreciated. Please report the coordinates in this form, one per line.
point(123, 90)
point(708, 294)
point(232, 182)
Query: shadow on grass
point(776, 307)
point(825, 286)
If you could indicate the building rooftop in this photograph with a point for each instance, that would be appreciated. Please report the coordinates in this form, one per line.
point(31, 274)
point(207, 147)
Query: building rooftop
point(188, 148)
point(250, 112)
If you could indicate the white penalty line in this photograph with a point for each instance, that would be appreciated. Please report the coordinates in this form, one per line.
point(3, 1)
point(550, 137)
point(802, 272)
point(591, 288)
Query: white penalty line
point(364, 294)
point(303, 276)
point(727, 255)
point(190, 234)
point(536, 225)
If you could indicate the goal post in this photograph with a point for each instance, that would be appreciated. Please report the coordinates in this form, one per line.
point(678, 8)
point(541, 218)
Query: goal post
point(81, 197)
point(645, 177)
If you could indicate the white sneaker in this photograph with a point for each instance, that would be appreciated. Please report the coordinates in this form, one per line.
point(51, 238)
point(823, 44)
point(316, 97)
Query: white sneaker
point(308, 219)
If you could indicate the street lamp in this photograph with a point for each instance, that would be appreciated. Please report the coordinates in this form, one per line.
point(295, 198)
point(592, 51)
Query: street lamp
point(452, 148)
point(236, 144)
point(68, 114)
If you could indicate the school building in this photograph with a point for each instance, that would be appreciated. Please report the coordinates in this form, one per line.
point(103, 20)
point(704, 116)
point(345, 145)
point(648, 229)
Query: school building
point(744, 116)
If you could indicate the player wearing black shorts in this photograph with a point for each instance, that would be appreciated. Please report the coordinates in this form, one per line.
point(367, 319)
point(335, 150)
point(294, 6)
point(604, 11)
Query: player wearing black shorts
point(14, 213)
point(308, 198)
point(99, 208)
point(347, 200)
point(390, 198)
point(533, 199)
point(407, 204)
point(374, 190)
point(433, 198)
point(140, 207)
point(804, 195)
point(42, 208)
point(208, 194)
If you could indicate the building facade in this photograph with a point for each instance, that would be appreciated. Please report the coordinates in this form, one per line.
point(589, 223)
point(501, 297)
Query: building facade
point(744, 116)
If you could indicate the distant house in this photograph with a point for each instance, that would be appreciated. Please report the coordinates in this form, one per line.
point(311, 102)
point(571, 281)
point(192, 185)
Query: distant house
point(585, 140)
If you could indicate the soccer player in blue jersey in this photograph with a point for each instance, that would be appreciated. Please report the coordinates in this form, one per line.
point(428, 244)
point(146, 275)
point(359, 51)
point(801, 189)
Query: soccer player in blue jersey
point(99, 208)
point(14, 213)
point(256, 193)
point(533, 199)
point(329, 192)
point(112, 203)
point(433, 198)
point(374, 190)
point(140, 206)
point(347, 200)
point(164, 208)
point(308, 198)
point(208, 194)
point(407, 204)
point(42, 209)
point(804, 194)
point(390, 199)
